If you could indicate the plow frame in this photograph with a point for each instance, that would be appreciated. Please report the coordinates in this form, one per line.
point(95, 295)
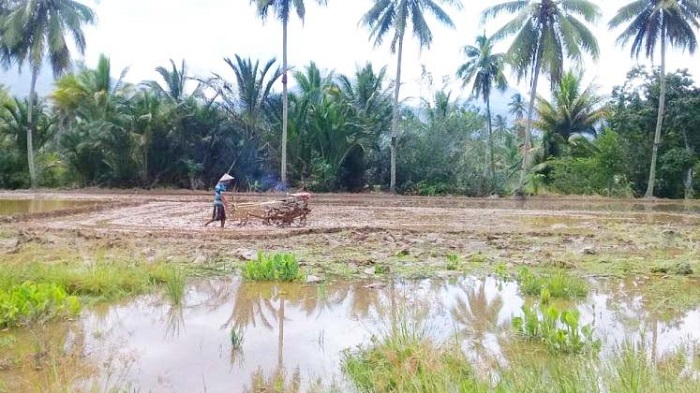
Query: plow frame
point(280, 212)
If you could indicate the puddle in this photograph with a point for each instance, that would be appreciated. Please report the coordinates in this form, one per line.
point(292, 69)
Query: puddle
point(300, 331)
point(12, 207)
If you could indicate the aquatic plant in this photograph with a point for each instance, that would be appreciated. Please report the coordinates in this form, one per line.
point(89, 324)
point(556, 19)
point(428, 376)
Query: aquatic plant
point(559, 331)
point(559, 285)
point(29, 303)
point(453, 261)
point(282, 267)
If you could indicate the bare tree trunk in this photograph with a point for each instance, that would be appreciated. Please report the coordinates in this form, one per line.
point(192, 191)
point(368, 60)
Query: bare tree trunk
point(659, 119)
point(528, 125)
point(285, 103)
point(689, 193)
point(492, 166)
point(30, 128)
point(395, 117)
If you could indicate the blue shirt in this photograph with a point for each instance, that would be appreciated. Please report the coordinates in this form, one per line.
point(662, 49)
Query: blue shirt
point(218, 189)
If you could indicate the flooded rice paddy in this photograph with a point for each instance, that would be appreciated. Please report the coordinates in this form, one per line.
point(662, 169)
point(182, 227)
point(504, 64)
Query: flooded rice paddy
point(14, 207)
point(301, 331)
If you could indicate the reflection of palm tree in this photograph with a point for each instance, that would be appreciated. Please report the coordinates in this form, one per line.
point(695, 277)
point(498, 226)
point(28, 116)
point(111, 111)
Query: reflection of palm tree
point(250, 305)
point(476, 314)
point(647, 314)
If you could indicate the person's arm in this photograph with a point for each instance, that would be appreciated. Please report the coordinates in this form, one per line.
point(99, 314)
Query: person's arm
point(224, 201)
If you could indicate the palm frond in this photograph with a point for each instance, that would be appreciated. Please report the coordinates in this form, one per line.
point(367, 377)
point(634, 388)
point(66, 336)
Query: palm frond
point(509, 7)
point(584, 8)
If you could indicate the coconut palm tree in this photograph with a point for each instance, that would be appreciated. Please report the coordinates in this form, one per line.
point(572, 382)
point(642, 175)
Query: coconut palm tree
point(485, 69)
point(33, 30)
point(572, 111)
point(395, 15)
point(648, 22)
point(546, 31)
point(253, 88)
point(282, 9)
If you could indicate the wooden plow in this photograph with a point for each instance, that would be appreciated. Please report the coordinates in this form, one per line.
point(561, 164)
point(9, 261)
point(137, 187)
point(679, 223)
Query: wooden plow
point(283, 212)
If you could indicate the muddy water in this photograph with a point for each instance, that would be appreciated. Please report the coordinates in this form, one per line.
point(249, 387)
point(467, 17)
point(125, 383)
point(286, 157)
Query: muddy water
point(11, 207)
point(300, 331)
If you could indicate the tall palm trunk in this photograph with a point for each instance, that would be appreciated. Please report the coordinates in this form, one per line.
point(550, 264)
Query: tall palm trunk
point(30, 128)
point(285, 103)
point(688, 183)
point(492, 166)
point(528, 126)
point(659, 118)
point(395, 116)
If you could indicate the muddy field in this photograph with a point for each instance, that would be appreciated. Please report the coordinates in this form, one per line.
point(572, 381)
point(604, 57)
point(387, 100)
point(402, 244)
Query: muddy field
point(363, 229)
point(365, 258)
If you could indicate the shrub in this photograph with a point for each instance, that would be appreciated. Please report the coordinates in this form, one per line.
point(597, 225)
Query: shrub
point(282, 267)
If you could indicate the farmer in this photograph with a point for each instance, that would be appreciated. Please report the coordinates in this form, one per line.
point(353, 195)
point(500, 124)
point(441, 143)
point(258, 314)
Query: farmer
point(220, 202)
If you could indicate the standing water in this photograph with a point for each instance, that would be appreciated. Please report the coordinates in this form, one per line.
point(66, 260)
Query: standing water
point(12, 207)
point(230, 335)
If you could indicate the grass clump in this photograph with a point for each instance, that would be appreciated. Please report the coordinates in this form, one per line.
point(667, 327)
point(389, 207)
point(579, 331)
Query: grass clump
point(30, 303)
point(406, 360)
point(453, 262)
point(558, 285)
point(559, 331)
point(629, 370)
point(277, 267)
point(174, 285)
point(104, 281)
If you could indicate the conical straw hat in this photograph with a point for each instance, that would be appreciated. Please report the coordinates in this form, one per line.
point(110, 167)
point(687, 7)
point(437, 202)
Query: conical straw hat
point(226, 177)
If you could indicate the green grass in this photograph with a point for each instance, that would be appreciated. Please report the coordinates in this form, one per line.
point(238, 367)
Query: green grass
point(407, 360)
point(107, 280)
point(174, 286)
point(276, 267)
point(628, 370)
point(453, 262)
point(558, 285)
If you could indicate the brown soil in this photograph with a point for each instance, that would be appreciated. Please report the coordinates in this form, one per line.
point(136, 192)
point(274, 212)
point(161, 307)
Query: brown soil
point(357, 228)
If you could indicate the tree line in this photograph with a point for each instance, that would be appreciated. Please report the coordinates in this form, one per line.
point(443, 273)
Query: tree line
point(351, 132)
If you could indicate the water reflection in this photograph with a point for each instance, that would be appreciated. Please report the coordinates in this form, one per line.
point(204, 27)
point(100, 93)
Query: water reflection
point(32, 206)
point(293, 335)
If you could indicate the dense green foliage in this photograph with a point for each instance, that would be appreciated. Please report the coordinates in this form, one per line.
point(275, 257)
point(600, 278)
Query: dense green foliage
point(559, 285)
point(282, 267)
point(344, 131)
point(29, 302)
point(559, 331)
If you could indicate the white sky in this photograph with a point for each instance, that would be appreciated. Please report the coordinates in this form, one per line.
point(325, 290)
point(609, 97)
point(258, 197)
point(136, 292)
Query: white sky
point(144, 34)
